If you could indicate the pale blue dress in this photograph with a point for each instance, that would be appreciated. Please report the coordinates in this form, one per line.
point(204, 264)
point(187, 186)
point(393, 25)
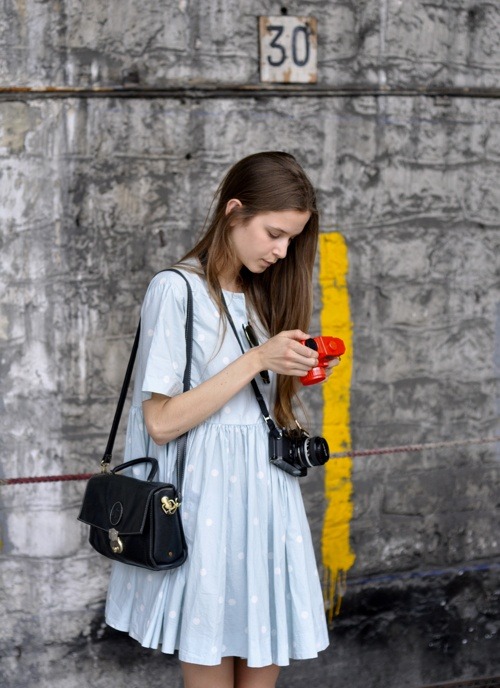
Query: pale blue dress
point(250, 586)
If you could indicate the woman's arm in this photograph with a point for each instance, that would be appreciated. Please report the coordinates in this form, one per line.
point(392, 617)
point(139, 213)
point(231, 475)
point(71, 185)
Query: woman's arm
point(169, 417)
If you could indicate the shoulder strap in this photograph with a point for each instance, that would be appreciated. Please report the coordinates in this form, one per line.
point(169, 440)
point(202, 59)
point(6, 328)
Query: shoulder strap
point(182, 440)
point(258, 394)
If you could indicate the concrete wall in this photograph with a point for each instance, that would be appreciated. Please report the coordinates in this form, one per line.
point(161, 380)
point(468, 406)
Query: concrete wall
point(99, 191)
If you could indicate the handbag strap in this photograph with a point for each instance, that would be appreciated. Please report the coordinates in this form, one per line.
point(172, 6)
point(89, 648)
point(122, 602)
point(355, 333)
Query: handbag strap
point(258, 394)
point(182, 440)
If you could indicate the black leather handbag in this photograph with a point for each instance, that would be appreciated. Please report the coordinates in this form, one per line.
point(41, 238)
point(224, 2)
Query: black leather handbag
point(135, 521)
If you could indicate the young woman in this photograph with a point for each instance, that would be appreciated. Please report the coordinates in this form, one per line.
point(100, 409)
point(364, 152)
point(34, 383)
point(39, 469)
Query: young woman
point(248, 597)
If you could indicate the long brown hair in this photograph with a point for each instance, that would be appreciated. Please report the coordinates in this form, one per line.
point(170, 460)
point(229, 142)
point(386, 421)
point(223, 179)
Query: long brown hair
point(282, 294)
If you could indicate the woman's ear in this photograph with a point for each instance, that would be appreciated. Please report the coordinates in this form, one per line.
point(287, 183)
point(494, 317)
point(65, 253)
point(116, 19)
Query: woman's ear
point(232, 204)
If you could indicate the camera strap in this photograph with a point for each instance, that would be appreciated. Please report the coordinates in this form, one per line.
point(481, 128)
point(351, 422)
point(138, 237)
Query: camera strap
point(258, 394)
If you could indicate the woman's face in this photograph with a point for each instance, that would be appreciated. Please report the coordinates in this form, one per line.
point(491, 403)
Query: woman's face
point(263, 240)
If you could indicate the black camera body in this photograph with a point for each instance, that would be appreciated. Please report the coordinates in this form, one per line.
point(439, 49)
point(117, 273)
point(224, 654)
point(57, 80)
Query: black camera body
point(296, 452)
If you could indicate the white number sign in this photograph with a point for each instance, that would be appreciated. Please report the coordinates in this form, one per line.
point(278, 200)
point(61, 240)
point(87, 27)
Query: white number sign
point(288, 50)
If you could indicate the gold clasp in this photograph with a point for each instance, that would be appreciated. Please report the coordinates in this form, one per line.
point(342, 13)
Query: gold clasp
point(170, 506)
point(115, 543)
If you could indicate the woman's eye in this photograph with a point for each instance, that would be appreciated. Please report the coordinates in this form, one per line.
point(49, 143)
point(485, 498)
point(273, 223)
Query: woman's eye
point(274, 236)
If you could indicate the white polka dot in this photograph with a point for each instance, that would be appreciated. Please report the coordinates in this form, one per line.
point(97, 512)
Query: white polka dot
point(221, 600)
point(260, 475)
point(136, 470)
point(225, 360)
point(277, 571)
point(203, 572)
point(172, 614)
point(163, 280)
point(167, 332)
point(290, 569)
point(241, 555)
point(283, 538)
point(160, 595)
point(129, 440)
point(190, 468)
point(214, 472)
point(224, 648)
point(166, 379)
point(149, 578)
point(233, 479)
point(214, 650)
point(231, 602)
point(256, 521)
point(254, 599)
point(201, 337)
point(129, 586)
point(196, 621)
point(185, 515)
point(298, 538)
point(141, 607)
point(304, 615)
point(263, 629)
point(227, 410)
point(151, 333)
point(175, 365)
point(136, 595)
point(209, 522)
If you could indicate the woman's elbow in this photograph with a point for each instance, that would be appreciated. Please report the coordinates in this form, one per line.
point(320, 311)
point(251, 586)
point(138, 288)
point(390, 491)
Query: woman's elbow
point(159, 432)
point(156, 424)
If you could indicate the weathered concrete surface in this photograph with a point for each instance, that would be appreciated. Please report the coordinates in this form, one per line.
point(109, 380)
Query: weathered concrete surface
point(361, 42)
point(98, 194)
point(401, 634)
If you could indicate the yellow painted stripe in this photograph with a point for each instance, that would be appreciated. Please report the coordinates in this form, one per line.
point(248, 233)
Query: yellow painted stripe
point(336, 322)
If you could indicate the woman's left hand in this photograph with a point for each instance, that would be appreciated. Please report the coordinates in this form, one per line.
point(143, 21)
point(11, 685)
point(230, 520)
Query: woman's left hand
point(329, 368)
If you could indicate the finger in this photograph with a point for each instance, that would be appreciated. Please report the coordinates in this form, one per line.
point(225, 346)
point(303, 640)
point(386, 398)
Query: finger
point(296, 334)
point(308, 358)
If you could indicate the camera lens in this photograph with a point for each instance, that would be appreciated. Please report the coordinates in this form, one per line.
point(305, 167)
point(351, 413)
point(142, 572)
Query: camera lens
point(314, 452)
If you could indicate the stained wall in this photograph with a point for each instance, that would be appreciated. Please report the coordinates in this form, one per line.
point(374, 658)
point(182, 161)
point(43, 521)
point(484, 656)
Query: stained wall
point(105, 183)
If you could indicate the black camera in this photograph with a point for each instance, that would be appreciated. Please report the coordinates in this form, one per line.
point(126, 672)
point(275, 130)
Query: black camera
point(295, 452)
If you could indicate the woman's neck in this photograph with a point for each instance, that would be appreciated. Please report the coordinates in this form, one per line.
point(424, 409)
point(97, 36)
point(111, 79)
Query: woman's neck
point(230, 280)
point(234, 285)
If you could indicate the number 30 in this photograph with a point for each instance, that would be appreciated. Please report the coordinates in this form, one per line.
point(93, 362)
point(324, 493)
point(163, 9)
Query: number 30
point(299, 34)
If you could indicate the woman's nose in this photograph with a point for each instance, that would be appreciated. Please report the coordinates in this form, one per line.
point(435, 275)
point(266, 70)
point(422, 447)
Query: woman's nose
point(280, 249)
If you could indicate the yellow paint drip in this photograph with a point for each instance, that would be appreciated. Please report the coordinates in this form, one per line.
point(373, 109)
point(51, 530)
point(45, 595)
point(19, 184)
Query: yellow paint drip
point(336, 322)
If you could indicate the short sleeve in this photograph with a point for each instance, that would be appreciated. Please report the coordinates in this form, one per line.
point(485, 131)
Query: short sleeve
point(163, 338)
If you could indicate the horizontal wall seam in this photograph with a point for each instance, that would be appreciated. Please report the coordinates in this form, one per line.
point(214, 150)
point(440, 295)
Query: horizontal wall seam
point(207, 91)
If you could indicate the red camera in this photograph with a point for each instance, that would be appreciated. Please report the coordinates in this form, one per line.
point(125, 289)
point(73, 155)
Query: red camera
point(327, 348)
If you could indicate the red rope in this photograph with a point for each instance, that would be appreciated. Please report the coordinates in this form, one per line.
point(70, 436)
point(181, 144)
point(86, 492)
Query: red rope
point(413, 447)
point(337, 455)
point(46, 479)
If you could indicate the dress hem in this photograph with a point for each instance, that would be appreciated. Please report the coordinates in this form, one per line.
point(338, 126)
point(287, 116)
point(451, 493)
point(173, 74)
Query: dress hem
point(202, 661)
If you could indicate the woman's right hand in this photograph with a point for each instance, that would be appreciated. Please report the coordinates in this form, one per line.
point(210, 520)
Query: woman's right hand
point(284, 354)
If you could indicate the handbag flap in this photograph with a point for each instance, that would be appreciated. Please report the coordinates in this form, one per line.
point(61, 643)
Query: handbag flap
point(120, 502)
